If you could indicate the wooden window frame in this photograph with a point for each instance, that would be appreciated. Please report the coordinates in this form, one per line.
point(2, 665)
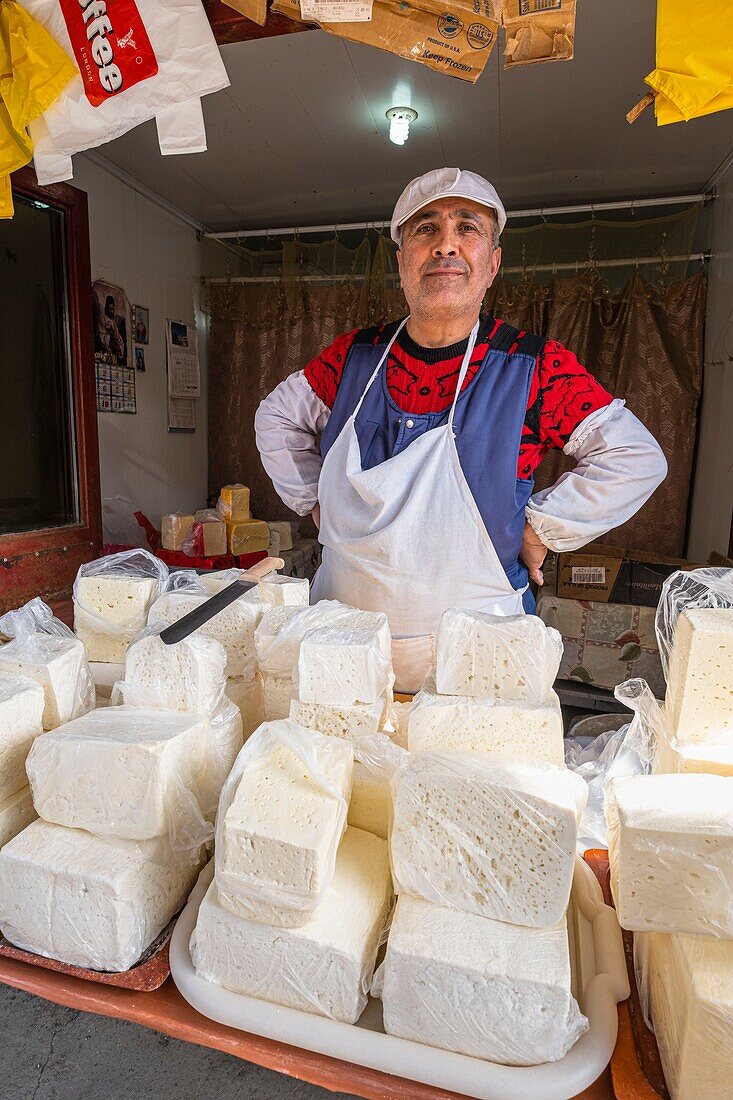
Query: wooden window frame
point(44, 562)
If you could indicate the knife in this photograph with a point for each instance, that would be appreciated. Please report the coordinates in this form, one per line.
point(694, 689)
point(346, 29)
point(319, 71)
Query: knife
point(181, 629)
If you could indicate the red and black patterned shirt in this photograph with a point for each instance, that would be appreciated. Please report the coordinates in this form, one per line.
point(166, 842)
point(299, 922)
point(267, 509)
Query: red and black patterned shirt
point(423, 380)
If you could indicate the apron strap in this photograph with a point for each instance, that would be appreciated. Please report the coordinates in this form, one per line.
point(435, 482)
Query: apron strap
point(464, 370)
point(378, 367)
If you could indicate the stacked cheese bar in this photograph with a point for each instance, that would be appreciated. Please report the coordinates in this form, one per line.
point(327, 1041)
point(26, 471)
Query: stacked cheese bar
point(21, 721)
point(112, 596)
point(483, 848)
point(671, 850)
point(298, 902)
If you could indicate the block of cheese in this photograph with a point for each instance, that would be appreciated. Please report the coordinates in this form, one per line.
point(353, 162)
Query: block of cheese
point(234, 626)
point(690, 983)
point(128, 772)
point(496, 657)
point(485, 837)
point(348, 663)
point(227, 727)
point(520, 733)
point(282, 630)
point(479, 987)
point(87, 901)
point(273, 548)
point(370, 807)
point(282, 528)
point(189, 675)
point(109, 609)
point(278, 693)
point(699, 699)
point(670, 845)
point(278, 590)
point(278, 836)
point(247, 536)
point(174, 529)
point(16, 812)
point(21, 720)
point(713, 757)
point(248, 695)
point(208, 539)
point(59, 665)
point(234, 503)
point(322, 967)
point(349, 722)
point(105, 676)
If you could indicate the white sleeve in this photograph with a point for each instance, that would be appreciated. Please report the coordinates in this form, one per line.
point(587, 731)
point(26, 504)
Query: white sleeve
point(287, 425)
point(619, 465)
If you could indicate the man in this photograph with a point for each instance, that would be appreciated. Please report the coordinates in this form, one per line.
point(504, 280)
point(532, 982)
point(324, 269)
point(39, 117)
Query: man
point(431, 429)
point(109, 337)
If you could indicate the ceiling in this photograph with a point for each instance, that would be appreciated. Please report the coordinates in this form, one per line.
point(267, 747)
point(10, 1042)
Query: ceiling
point(300, 137)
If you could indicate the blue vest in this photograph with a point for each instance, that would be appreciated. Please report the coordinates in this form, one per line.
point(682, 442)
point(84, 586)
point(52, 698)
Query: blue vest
point(488, 423)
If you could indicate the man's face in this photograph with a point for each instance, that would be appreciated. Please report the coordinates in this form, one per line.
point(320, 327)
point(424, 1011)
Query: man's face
point(109, 307)
point(447, 259)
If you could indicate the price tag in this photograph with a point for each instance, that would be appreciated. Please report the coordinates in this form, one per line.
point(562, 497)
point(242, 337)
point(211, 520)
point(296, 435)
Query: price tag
point(337, 11)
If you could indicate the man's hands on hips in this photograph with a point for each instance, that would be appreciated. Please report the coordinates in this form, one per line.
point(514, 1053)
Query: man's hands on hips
point(533, 554)
point(316, 516)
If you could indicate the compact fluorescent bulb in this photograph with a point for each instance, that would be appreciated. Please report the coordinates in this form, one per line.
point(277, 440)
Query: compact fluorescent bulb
point(399, 123)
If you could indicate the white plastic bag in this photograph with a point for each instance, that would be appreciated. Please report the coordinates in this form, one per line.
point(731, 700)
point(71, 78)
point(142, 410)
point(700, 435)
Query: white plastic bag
point(135, 64)
point(112, 596)
point(377, 759)
point(45, 650)
point(486, 837)
point(281, 816)
point(711, 587)
point(279, 635)
point(346, 663)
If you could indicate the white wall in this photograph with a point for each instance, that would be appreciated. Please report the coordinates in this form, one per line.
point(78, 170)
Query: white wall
point(712, 496)
point(157, 259)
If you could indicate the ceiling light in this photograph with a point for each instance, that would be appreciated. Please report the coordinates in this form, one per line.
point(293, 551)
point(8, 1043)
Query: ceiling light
point(399, 123)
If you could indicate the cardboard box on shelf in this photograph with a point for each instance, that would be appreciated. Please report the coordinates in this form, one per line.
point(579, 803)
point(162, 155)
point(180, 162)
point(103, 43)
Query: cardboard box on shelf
point(608, 574)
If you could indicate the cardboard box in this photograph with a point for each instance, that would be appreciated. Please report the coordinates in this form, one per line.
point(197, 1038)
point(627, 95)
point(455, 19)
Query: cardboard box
point(608, 574)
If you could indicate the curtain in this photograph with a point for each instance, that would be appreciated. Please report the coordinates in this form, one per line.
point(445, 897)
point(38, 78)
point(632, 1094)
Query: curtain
point(641, 338)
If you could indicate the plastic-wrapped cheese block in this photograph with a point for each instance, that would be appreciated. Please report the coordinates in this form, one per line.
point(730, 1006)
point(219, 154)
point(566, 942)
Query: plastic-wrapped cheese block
point(325, 966)
point(278, 591)
point(85, 900)
point(227, 727)
point(670, 845)
point(282, 630)
point(690, 987)
point(377, 758)
point(104, 677)
point(347, 663)
point(521, 733)
point(699, 687)
point(59, 665)
point(249, 697)
point(247, 536)
point(496, 657)
point(21, 715)
point(284, 531)
point(189, 675)
point(281, 816)
point(174, 530)
point(108, 612)
point(234, 502)
point(234, 626)
point(278, 693)
point(479, 987)
point(489, 838)
point(128, 772)
point(674, 757)
point(16, 812)
point(348, 722)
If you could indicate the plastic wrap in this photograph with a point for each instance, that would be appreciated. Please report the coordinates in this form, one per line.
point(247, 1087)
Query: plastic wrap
point(248, 695)
point(45, 650)
point(233, 503)
point(112, 596)
point(281, 816)
point(21, 720)
point(324, 967)
point(130, 772)
point(493, 839)
point(376, 760)
point(349, 722)
point(234, 626)
point(397, 721)
point(174, 529)
point(217, 579)
point(694, 627)
point(279, 635)
point(520, 733)
point(248, 536)
point(207, 537)
point(670, 845)
point(479, 987)
point(277, 591)
point(346, 663)
point(686, 991)
point(189, 675)
point(496, 657)
point(278, 693)
point(87, 901)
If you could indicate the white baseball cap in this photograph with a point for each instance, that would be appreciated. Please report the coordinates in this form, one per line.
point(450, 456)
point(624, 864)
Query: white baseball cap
point(444, 183)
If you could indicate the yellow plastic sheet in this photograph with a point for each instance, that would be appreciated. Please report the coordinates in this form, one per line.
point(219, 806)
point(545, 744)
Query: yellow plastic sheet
point(694, 73)
point(33, 71)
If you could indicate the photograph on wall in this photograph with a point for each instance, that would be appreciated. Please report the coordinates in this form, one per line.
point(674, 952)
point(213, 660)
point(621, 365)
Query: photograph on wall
point(139, 359)
point(182, 360)
point(140, 324)
point(111, 314)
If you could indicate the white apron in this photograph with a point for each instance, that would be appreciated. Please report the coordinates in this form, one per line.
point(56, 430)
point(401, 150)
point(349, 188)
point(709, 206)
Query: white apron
point(406, 537)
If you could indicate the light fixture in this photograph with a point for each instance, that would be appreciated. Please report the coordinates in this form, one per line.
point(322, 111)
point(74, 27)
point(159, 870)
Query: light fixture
point(399, 123)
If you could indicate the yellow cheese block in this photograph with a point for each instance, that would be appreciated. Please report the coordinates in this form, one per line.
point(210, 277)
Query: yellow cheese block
point(174, 528)
point(248, 537)
point(210, 539)
point(234, 503)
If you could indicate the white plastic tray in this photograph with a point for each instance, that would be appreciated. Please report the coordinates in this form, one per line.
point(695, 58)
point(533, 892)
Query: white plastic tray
point(599, 983)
